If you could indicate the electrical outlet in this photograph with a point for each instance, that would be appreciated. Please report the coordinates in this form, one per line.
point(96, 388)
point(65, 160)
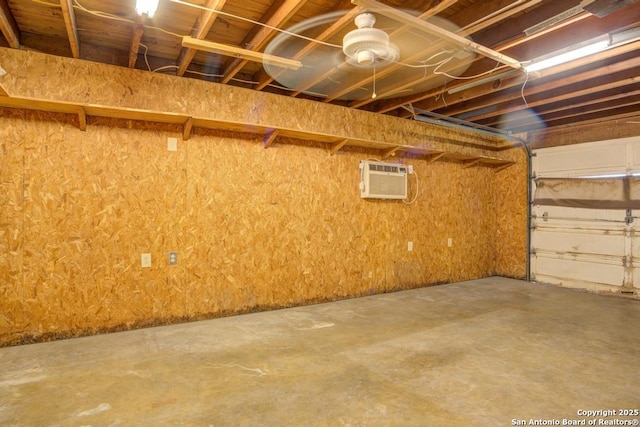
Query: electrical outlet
point(172, 144)
point(145, 260)
point(449, 242)
point(410, 246)
point(173, 258)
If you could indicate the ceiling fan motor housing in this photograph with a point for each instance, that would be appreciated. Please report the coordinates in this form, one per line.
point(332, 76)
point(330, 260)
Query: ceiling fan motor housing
point(365, 43)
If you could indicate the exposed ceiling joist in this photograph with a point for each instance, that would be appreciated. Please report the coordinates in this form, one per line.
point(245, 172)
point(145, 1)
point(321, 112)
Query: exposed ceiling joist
point(8, 25)
point(200, 30)
point(71, 26)
point(136, 37)
point(276, 19)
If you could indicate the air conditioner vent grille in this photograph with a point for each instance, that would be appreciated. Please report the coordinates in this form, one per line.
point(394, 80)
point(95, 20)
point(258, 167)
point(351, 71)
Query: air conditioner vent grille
point(381, 180)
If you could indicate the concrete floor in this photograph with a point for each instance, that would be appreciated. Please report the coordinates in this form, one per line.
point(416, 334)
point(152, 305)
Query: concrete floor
point(486, 352)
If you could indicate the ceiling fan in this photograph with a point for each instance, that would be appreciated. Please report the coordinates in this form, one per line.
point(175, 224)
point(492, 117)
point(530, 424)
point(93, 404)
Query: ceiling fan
point(369, 56)
point(373, 51)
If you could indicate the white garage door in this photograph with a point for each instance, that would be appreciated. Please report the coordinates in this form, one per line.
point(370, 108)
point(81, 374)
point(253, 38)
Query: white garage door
point(595, 247)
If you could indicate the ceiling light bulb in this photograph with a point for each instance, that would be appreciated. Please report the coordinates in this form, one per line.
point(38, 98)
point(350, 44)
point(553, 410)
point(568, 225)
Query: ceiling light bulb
point(366, 57)
point(568, 56)
point(147, 7)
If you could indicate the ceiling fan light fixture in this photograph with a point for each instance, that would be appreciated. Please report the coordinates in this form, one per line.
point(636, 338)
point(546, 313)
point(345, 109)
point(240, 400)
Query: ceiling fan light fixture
point(364, 44)
point(147, 7)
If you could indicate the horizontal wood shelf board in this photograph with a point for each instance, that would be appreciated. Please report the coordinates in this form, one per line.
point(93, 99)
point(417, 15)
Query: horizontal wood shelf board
point(388, 149)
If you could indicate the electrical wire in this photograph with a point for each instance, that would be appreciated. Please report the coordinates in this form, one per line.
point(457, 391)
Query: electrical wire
point(146, 59)
point(442, 73)
point(45, 3)
point(415, 196)
point(526, 79)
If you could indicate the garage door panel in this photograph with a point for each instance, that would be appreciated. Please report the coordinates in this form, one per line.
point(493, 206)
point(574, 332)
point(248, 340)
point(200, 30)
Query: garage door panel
point(606, 243)
point(586, 248)
point(590, 270)
point(590, 157)
point(566, 215)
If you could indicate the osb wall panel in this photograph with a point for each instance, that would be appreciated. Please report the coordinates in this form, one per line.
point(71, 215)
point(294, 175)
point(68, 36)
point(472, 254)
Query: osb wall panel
point(254, 228)
point(511, 207)
point(11, 223)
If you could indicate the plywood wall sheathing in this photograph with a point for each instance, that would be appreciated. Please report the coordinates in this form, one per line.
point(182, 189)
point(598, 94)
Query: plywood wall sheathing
point(253, 228)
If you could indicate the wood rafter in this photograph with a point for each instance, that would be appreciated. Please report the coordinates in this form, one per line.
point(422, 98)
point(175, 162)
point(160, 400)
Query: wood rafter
point(276, 19)
point(562, 93)
point(623, 98)
point(8, 25)
point(632, 63)
point(70, 24)
point(136, 37)
point(200, 30)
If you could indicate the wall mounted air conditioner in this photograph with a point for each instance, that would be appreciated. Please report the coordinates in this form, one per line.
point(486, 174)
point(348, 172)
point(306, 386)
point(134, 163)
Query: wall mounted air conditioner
point(380, 180)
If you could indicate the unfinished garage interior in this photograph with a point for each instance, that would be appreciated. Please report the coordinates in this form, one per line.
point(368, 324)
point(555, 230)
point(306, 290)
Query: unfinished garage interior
point(319, 212)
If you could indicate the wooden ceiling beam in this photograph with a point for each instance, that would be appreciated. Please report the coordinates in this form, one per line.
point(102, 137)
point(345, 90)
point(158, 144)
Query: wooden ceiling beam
point(562, 93)
point(72, 28)
point(610, 105)
point(544, 86)
point(201, 28)
point(135, 44)
point(276, 18)
point(8, 25)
